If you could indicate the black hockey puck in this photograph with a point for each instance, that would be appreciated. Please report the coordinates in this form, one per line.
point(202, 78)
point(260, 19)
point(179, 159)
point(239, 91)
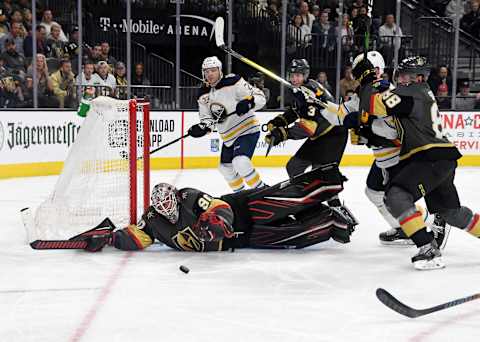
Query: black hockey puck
point(184, 269)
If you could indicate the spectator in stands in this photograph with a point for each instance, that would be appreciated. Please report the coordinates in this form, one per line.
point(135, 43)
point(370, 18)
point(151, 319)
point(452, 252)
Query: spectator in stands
point(105, 54)
point(121, 80)
point(274, 13)
point(316, 13)
point(95, 53)
point(357, 4)
point(304, 12)
point(299, 32)
point(47, 21)
point(55, 43)
point(17, 17)
point(11, 94)
point(3, 22)
point(361, 25)
point(139, 79)
point(258, 80)
point(465, 99)
point(103, 80)
point(87, 77)
point(322, 78)
point(63, 81)
point(443, 100)
point(348, 82)
point(471, 21)
point(46, 99)
point(42, 46)
point(451, 9)
point(16, 33)
point(13, 61)
point(388, 41)
point(27, 19)
point(326, 32)
point(347, 37)
point(441, 77)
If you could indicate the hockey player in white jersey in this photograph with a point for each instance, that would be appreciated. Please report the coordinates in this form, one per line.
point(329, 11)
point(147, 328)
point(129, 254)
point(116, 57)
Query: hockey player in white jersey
point(229, 102)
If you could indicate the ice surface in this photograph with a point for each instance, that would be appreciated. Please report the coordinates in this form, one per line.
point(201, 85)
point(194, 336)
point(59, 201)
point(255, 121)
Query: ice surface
point(325, 293)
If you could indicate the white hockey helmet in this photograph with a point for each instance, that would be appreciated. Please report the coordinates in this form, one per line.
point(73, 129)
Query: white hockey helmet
point(211, 62)
point(165, 201)
point(377, 60)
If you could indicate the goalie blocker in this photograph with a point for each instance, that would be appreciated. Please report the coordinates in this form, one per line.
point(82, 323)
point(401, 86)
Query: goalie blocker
point(290, 214)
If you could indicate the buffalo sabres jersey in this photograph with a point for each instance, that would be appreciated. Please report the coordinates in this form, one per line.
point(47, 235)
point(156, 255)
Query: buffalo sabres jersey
point(216, 103)
point(386, 155)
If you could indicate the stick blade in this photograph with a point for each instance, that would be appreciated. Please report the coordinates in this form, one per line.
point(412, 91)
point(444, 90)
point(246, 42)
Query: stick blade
point(219, 29)
point(393, 303)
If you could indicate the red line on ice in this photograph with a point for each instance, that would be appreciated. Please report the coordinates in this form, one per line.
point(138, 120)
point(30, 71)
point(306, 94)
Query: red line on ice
point(439, 326)
point(106, 290)
point(101, 299)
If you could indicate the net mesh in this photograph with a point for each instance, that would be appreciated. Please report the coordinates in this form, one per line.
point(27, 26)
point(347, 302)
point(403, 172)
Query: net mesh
point(94, 183)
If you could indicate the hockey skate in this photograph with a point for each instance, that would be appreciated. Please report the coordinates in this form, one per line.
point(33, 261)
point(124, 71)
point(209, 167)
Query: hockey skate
point(395, 237)
point(428, 257)
point(440, 231)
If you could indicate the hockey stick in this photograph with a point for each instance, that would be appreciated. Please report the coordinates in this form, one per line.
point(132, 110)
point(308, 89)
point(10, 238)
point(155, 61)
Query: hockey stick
point(219, 29)
point(125, 156)
point(394, 304)
point(78, 241)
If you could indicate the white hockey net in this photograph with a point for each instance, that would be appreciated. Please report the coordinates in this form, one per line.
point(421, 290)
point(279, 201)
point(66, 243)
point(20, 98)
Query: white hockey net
point(96, 181)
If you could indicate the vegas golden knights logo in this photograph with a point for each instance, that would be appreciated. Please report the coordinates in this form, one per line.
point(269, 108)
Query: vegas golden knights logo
point(186, 240)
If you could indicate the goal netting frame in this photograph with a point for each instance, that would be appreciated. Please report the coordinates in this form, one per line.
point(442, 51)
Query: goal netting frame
point(106, 173)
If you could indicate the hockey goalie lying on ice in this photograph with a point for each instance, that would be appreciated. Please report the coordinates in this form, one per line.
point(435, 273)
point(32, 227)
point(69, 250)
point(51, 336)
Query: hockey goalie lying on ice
point(290, 214)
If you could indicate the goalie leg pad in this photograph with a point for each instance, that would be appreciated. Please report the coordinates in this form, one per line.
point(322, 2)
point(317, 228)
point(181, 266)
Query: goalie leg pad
point(302, 230)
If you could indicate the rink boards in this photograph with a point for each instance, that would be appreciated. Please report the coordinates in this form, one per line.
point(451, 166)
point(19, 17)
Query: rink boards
point(35, 143)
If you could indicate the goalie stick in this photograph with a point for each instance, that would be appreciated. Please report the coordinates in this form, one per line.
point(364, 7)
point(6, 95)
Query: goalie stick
point(309, 94)
point(78, 241)
point(393, 303)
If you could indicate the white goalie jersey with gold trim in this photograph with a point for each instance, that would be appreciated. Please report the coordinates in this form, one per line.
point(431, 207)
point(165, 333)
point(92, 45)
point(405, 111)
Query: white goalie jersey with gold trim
point(215, 103)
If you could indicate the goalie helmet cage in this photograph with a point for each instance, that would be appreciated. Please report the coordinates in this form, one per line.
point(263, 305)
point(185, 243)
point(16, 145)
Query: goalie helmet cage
point(106, 173)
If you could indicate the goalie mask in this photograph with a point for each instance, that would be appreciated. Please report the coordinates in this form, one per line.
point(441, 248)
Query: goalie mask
point(209, 63)
point(165, 201)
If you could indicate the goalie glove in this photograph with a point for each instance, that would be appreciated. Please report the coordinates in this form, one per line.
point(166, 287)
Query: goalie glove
point(199, 130)
point(212, 227)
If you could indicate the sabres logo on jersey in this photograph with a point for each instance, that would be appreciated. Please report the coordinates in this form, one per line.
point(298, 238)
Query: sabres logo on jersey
point(218, 111)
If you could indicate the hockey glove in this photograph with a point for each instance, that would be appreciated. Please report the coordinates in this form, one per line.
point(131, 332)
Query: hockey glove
point(278, 121)
point(245, 105)
point(276, 136)
point(356, 138)
point(95, 243)
point(212, 227)
point(199, 130)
